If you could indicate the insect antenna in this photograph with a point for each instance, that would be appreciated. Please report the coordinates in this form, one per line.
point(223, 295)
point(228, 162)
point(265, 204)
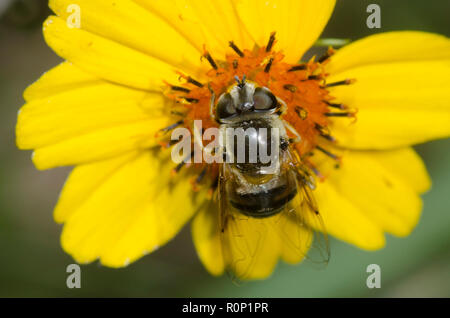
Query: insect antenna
point(239, 82)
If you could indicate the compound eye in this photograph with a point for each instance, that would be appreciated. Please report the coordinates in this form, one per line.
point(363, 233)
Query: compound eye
point(225, 107)
point(264, 99)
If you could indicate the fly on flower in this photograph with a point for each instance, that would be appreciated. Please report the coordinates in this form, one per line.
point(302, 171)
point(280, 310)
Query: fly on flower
point(345, 124)
point(262, 202)
point(256, 198)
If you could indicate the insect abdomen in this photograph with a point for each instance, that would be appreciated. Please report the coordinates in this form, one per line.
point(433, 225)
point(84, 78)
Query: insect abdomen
point(263, 204)
point(263, 199)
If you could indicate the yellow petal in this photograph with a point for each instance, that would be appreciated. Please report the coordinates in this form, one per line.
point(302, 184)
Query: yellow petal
point(52, 119)
point(89, 123)
point(105, 58)
point(98, 145)
point(61, 78)
point(407, 165)
point(345, 221)
point(399, 104)
point(84, 180)
point(209, 23)
point(390, 47)
point(379, 193)
point(297, 23)
point(129, 24)
point(295, 237)
point(206, 236)
point(126, 211)
point(251, 246)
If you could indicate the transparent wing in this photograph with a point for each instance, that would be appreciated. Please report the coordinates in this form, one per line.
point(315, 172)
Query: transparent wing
point(305, 212)
point(248, 247)
point(252, 246)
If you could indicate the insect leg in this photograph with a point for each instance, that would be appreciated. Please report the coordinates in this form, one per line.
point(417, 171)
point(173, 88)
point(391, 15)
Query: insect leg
point(293, 131)
point(212, 102)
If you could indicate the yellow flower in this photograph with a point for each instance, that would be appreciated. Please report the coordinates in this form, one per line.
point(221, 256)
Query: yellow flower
point(126, 70)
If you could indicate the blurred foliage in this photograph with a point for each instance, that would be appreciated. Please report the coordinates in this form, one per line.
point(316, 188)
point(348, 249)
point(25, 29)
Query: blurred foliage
point(33, 263)
point(24, 14)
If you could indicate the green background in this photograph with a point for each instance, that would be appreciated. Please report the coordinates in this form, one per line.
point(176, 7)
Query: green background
point(33, 264)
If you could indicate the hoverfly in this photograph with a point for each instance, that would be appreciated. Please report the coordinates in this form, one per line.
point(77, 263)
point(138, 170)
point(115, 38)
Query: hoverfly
point(261, 208)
